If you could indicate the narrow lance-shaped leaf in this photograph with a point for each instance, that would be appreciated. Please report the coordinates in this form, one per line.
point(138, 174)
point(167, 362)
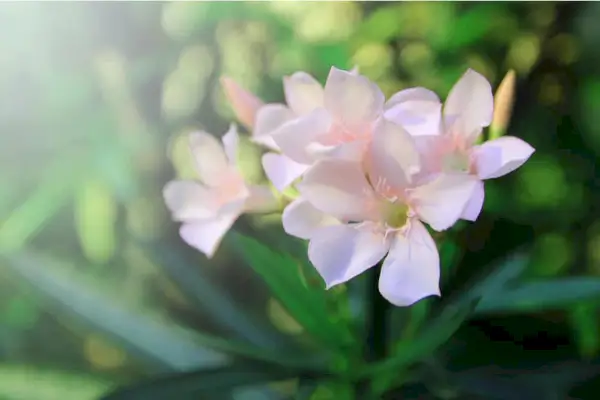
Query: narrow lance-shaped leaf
point(306, 305)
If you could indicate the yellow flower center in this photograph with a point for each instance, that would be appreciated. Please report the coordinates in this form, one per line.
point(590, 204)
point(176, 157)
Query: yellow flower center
point(395, 215)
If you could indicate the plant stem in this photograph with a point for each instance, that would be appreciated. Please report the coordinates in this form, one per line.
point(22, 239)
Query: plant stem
point(375, 329)
point(376, 319)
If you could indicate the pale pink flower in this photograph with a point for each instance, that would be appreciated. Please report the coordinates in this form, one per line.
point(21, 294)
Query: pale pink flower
point(210, 207)
point(302, 93)
point(447, 140)
point(341, 126)
point(353, 219)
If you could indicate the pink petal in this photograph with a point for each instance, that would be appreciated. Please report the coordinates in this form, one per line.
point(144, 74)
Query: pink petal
point(190, 200)
point(353, 100)
point(206, 235)
point(350, 151)
point(210, 158)
point(261, 199)
point(230, 143)
point(244, 104)
point(294, 137)
point(441, 202)
point(268, 119)
point(302, 93)
point(500, 156)
point(301, 219)
point(341, 252)
point(281, 170)
point(339, 188)
point(411, 271)
point(475, 204)
point(470, 105)
point(393, 156)
point(418, 110)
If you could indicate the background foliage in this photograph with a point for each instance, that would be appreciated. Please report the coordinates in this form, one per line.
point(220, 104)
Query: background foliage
point(98, 290)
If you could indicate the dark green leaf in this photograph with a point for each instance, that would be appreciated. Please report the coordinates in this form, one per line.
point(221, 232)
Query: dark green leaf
point(196, 384)
point(537, 296)
point(306, 304)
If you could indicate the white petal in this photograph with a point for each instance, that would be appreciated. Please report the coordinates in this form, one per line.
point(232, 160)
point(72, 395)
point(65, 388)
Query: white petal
point(302, 93)
point(500, 156)
point(294, 137)
point(230, 143)
point(206, 235)
point(475, 204)
point(282, 170)
point(341, 252)
point(418, 110)
point(190, 200)
point(268, 119)
point(339, 188)
point(470, 105)
point(441, 202)
point(261, 199)
point(353, 100)
point(301, 219)
point(411, 271)
point(210, 158)
point(393, 156)
point(244, 104)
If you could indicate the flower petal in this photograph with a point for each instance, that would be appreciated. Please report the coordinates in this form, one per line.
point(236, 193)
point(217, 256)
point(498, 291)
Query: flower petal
point(230, 143)
point(210, 158)
point(393, 156)
point(206, 235)
point(350, 151)
point(268, 119)
point(500, 156)
point(475, 204)
point(294, 137)
point(341, 252)
point(190, 200)
point(261, 199)
point(441, 202)
point(339, 188)
point(244, 104)
point(301, 219)
point(303, 93)
point(418, 110)
point(353, 100)
point(411, 271)
point(469, 106)
point(282, 170)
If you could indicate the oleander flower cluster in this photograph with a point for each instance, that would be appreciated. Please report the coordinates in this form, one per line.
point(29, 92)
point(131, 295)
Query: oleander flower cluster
point(370, 175)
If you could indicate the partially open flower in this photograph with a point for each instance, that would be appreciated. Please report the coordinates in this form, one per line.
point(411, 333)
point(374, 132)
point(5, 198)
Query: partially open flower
point(353, 219)
point(210, 207)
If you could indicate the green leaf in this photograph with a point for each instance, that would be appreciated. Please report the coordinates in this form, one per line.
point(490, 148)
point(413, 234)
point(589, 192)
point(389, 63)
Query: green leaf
point(70, 294)
point(19, 382)
point(584, 321)
point(536, 296)
point(306, 304)
point(191, 385)
point(430, 337)
point(205, 295)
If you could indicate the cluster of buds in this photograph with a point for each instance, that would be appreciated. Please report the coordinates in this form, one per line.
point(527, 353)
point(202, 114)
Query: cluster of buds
point(367, 174)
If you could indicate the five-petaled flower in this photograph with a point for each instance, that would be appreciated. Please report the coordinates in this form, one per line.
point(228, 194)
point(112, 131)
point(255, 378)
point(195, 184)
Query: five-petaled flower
point(209, 208)
point(448, 142)
point(353, 219)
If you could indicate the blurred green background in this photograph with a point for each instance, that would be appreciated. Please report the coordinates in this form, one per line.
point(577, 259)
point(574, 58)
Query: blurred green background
point(96, 97)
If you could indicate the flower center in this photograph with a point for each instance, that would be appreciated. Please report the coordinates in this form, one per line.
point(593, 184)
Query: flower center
point(395, 215)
